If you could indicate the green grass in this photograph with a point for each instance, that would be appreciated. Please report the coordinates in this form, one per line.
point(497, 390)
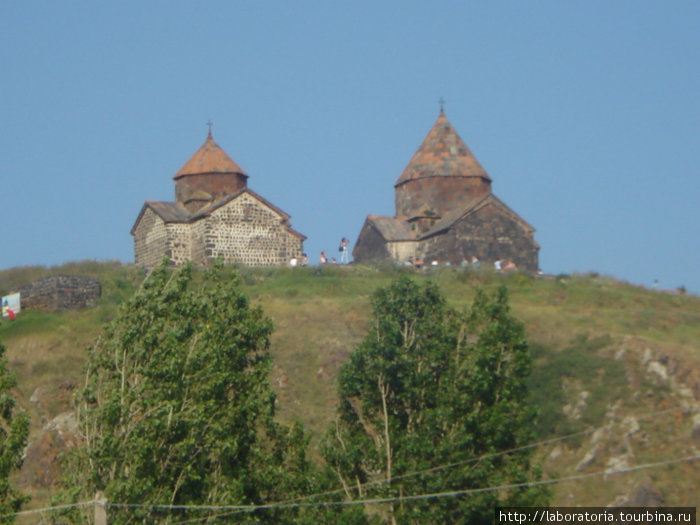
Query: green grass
point(32, 323)
point(312, 282)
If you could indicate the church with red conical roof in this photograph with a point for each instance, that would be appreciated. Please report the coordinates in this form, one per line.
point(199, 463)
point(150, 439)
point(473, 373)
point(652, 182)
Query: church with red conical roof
point(446, 212)
point(214, 215)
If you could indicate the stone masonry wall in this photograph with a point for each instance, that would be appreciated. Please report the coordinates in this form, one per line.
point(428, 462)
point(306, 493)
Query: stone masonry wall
point(248, 232)
point(60, 292)
point(489, 234)
point(150, 240)
point(197, 232)
point(370, 246)
point(437, 194)
point(218, 185)
point(179, 242)
point(243, 231)
point(401, 251)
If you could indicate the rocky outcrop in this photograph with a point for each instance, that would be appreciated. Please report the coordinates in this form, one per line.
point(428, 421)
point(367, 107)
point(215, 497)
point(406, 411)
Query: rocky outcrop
point(644, 494)
point(41, 462)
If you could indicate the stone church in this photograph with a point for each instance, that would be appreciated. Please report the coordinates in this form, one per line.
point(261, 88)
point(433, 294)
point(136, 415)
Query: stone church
point(445, 211)
point(214, 215)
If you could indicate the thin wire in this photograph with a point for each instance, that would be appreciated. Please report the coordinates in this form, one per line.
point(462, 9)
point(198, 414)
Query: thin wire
point(473, 459)
point(369, 483)
point(157, 506)
point(454, 493)
point(290, 503)
point(521, 485)
point(47, 509)
point(476, 458)
point(434, 469)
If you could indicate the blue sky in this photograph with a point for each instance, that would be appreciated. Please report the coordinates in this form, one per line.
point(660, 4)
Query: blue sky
point(586, 115)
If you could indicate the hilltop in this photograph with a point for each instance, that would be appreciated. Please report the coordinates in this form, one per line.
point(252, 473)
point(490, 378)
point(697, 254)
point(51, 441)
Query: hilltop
point(615, 363)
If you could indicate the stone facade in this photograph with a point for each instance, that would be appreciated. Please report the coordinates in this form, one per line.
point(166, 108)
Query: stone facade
point(60, 292)
point(446, 211)
point(150, 240)
point(214, 215)
point(433, 196)
point(489, 233)
point(247, 231)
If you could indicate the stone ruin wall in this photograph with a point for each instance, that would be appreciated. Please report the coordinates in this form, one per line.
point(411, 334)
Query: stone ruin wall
point(246, 231)
point(150, 240)
point(60, 292)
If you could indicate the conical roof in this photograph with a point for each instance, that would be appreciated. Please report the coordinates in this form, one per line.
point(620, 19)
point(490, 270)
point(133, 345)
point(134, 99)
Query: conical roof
point(210, 158)
point(442, 153)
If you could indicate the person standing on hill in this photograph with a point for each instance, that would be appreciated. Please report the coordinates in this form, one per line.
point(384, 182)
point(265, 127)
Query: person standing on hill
point(344, 250)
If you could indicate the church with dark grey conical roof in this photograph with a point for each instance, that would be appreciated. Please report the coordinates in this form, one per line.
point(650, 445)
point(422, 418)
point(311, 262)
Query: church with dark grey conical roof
point(446, 211)
point(214, 215)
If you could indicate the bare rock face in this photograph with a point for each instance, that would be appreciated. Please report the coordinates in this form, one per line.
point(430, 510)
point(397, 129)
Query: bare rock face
point(41, 463)
point(645, 494)
point(695, 433)
point(53, 397)
point(617, 463)
point(590, 457)
point(575, 409)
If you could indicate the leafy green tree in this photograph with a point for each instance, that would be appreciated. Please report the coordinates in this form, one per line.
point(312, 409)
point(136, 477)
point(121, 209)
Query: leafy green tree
point(14, 429)
point(177, 409)
point(428, 387)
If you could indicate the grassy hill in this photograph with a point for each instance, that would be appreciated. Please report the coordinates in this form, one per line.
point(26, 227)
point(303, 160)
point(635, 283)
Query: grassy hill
point(617, 364)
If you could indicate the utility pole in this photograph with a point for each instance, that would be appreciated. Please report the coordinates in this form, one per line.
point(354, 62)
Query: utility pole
point(100, 509)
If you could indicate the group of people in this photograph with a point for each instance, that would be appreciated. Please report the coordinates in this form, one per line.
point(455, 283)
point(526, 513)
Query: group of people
point(472, 262)
point(504, 266)
point(294, 262)
point(500, 265)
point(323, 258)
point(343, 249)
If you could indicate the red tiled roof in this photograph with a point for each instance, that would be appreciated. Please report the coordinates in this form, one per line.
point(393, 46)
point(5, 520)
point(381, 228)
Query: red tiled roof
point(210, 158)
point(442, 153)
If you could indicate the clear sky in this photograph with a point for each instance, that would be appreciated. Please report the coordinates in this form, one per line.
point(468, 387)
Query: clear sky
point(586, 115)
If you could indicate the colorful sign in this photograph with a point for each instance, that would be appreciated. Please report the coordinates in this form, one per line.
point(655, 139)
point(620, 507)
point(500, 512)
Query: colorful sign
point(10, 305)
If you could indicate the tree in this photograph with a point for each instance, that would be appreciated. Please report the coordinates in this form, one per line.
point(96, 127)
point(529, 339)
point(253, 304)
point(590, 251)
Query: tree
point(177, 409)
point(14, 429)
point(428, 387)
